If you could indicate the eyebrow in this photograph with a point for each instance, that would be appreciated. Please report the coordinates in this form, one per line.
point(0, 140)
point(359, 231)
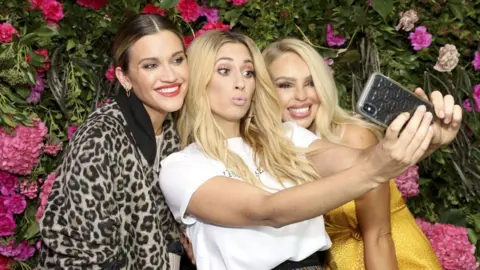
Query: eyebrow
point(231, 59)
point(309, 77)
point(156, 59)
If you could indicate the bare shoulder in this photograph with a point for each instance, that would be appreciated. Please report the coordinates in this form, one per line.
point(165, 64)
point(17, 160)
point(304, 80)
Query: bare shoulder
point(357, 136)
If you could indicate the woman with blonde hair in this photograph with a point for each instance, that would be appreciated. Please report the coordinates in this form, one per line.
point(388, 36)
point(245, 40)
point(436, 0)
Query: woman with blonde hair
point(244, 183)
point(376, 230)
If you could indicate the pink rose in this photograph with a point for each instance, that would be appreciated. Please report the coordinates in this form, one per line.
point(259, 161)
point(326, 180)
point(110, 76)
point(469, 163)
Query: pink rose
point(420, 39)
point(29, 189)
point(448, 58)
point(476, 61)
point(70, 132)
point(189, 10)
point(52, 149)
point(52, 11)
point(332, 38)
point(213, 26)
point(407, 20)
point(237, 2)
point(93, 4)
point(152, 9)
point(6, 32)
point(8, 183)
point(110, 74)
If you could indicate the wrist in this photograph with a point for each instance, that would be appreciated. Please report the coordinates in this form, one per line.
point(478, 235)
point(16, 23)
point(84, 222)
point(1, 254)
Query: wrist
point(368, 170)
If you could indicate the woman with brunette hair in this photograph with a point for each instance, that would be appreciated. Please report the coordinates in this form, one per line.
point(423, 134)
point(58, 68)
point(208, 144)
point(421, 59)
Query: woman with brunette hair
point(246, 185)
point(106, 209)
point(376, 230)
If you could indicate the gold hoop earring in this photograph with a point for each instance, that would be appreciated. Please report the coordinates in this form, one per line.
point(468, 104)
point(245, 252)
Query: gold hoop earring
point(128, 90)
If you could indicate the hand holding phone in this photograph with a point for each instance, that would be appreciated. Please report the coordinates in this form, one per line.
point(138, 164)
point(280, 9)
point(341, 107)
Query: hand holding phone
point(383, 99)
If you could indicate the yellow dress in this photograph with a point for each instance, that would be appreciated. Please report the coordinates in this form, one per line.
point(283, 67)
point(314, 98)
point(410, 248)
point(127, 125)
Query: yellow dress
point(412, 248)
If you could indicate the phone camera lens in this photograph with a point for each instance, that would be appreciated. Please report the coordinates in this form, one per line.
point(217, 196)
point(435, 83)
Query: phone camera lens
point(369, 109)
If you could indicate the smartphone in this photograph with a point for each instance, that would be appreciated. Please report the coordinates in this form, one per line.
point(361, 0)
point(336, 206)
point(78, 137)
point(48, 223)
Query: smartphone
point(383, 99)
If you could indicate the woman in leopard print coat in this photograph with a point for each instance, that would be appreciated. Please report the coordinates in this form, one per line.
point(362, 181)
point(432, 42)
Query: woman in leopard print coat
point(106, 209)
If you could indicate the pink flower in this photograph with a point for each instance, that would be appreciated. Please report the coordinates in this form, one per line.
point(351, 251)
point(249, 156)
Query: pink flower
point(332, 39)
point(476, 97)
point(19, 153)
point(15, 203)
point(93, 4)
point(7, 226)
point(187, 40)
point(35, 3)
point(46, 62)
point(407, 20)
point(4, 263)
point(451, 245)
point(45, 192)
point(36, 89)
point(8, 183)
point(210, 13)
point(52, 149)
point(189, 10)
point(70, 132)
point(29, 189)
point(447, 59)
point(213, 26)
point(328, 61)
point(21, 252)
point(6, 32)
point(420, 38)
point(110, 74)
point(237, 2)
point(407, 182)
point(52, 11)
point(476, 61)
point(152, 9)
point(467, 105)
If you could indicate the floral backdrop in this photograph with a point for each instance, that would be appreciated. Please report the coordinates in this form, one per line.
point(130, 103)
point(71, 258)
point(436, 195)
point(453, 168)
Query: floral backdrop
point(56, 67)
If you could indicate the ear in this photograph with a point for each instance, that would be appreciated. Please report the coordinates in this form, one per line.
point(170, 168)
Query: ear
point(123, 78)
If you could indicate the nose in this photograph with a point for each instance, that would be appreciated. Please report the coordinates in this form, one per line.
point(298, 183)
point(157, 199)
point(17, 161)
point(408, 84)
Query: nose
point(239, 82)
point(300, 93)
point(167, 74)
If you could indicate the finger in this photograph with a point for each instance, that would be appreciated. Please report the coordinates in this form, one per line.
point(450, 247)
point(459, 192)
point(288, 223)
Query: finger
point(457, 116)
point(437, 100)
point(394, 129)
point(423, 146)
point(421, 93)
point(419, 136)
point(448, 105)
point(411, 128)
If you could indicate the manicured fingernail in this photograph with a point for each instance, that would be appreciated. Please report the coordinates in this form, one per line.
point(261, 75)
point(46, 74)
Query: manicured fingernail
point(422, 108)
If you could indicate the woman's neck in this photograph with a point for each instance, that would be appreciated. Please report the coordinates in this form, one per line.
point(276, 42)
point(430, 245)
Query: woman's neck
point(157, 119)
point(231, 129)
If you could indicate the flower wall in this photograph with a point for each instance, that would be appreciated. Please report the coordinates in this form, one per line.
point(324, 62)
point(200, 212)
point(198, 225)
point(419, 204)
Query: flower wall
point(56, 67)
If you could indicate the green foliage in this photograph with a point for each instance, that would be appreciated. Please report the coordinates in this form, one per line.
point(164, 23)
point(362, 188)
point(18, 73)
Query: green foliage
point(80, 55)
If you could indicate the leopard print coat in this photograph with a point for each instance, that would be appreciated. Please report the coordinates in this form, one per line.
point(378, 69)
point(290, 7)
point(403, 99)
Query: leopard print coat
point(106, 209)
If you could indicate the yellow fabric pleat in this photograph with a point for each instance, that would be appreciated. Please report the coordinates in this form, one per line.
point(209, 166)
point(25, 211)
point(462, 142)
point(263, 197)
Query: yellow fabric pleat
point(412, 248)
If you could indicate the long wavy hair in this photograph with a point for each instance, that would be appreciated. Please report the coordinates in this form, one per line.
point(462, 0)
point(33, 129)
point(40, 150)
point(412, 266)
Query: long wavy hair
point(330, 116)
point(261, 127)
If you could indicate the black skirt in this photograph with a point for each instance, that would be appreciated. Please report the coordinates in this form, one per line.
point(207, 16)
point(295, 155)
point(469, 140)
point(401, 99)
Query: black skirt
point(315, 261)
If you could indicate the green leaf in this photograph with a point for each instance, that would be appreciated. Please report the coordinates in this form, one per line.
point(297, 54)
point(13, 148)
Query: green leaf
point(383, 7)
point(360, 15)
point(472, 236)
point(14, 97)
point(7, 120)
point(166, 4)
point(246, 21)
point(37, 60)
point(28, 39)
point(456, 9)
point(70, 44)
point(46, 31)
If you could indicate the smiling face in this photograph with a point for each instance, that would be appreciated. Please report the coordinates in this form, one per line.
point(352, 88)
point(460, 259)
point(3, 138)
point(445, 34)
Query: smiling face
point(296, 89)
point(157, 72)
point(232, 85)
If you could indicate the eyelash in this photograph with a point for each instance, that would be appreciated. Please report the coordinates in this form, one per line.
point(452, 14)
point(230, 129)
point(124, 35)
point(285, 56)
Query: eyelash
point(225, 71)
point(176, 61)
point(288, 85)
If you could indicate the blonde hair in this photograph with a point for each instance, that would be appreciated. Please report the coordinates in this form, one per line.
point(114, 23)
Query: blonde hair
point(330, 116)
point(261, 128)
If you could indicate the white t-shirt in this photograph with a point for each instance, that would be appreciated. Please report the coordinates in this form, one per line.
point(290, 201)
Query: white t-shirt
point(255, 247)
